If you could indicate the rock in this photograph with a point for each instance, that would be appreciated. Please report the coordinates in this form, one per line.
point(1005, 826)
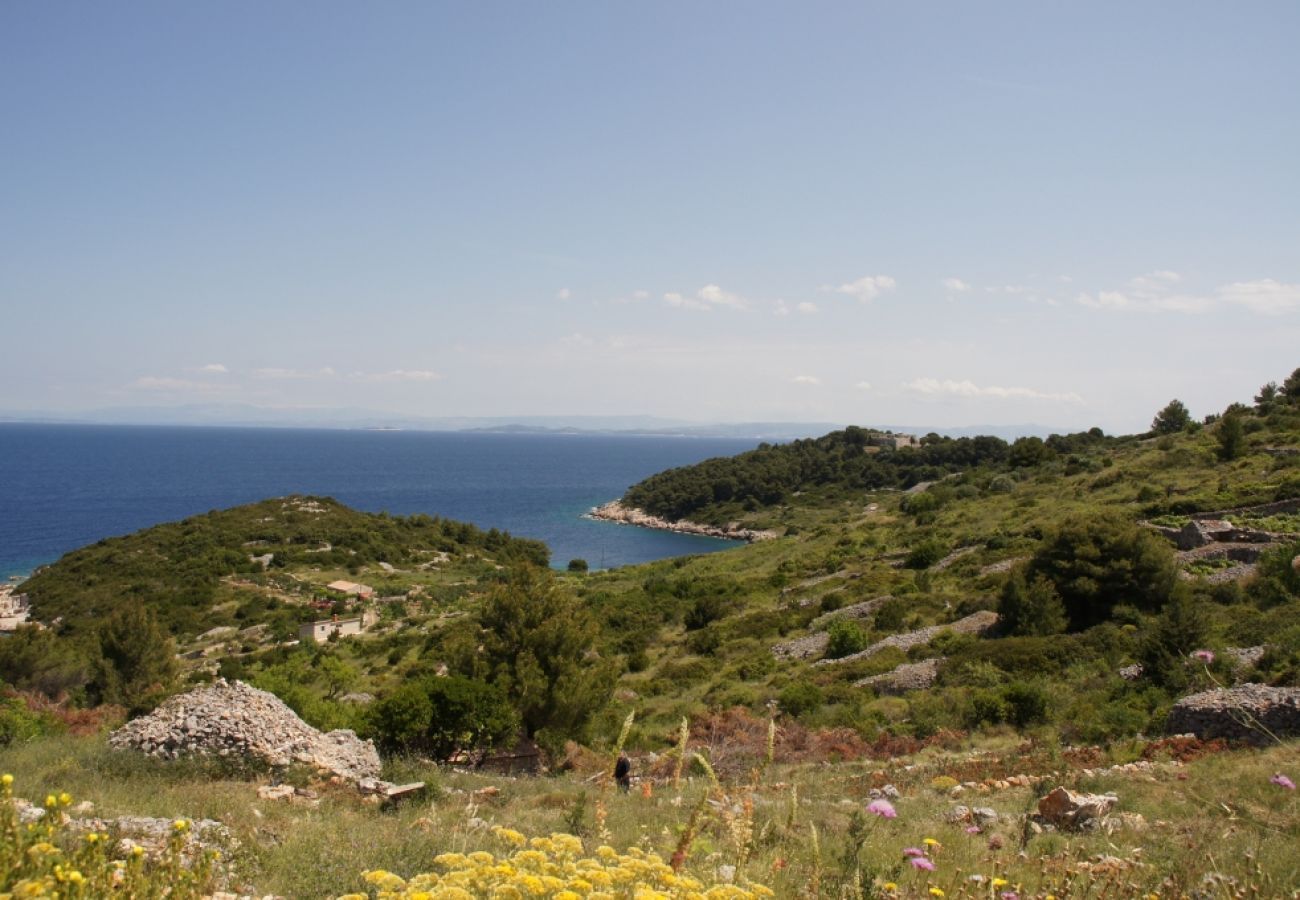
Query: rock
point(233, 718)
point(1066, 809)
point(908, 677)
point(490, 792)
point(808, 647)
point(958, 815)
point(984, 815)
point(1237, 713)
point(275, 791)
point(615, 511)
point(977, 623)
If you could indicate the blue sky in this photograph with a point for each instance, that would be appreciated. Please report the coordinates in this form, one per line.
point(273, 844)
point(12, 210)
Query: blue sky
point(939, 213)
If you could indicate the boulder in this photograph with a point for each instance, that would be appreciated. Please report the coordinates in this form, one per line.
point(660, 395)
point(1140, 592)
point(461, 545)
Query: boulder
point(1066, 809)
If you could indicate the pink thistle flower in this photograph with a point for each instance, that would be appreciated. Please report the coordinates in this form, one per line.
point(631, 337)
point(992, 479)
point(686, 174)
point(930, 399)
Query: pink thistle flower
point(1205, 656)
point(1282, 781)
point(1009, 895)
point(972, 829)
point(920, 862)
point(882, 808)
point(913, 852)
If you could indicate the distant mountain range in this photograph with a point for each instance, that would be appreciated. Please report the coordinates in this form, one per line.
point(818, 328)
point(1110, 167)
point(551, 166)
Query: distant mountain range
point(247, 416)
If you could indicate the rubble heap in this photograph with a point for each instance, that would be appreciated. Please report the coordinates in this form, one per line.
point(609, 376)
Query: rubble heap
point(233, 719)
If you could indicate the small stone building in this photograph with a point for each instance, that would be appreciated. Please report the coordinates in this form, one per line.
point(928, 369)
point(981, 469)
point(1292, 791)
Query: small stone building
point(321, 631)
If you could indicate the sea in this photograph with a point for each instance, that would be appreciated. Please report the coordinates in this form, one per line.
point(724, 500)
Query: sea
point(65, 486)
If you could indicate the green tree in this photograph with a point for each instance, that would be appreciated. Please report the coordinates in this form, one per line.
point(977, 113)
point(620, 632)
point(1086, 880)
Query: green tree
point(35, 659)
point(1172, 419)
point(1291, 387)
point(1180, 629)
point(1097, 564)
point(137, 663)
point(1230, 434)
point(1029, 451)
point(1267, 394)
point(442, 716)
point(539, 647)
point(1031, 608)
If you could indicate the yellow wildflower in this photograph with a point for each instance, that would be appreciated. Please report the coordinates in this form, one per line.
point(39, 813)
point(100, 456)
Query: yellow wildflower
point(510, 836)
point(930, 842)
point(891, 887)
point(999, 882)
point(936, 892)
point(6, 779)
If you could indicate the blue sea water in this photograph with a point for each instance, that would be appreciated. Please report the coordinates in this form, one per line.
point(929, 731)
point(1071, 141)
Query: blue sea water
point(64, 486)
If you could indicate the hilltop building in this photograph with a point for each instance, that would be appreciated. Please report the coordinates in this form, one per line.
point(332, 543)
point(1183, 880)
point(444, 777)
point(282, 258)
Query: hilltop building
point(322, 630)
point(15, 609)
point(360, 591)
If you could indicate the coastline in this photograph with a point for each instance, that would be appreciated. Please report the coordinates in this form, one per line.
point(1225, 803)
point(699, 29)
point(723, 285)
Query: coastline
point(614, 511)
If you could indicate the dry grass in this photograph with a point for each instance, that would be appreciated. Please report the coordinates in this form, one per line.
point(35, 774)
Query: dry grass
point(1217, 817)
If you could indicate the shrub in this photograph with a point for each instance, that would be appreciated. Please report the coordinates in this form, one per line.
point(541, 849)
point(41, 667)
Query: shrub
point(926, 554)
point(1031, 608)
point(1095, 564)
point(800, 697)
point(846, 638)
point(441, 716)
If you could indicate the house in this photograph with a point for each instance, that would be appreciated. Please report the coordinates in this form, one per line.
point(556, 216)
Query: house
point(892, 441)
point(360, 591)
point(321, 631)
point(14, 609)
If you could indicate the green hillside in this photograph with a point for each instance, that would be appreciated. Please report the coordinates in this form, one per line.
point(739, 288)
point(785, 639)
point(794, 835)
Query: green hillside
point(181, 569)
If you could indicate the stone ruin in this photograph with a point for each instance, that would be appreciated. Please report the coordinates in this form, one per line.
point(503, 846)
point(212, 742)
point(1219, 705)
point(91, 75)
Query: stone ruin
point(234, 720)
point(1255, 713)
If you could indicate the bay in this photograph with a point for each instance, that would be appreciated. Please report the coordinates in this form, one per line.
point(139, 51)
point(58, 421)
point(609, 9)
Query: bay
point(65, 486)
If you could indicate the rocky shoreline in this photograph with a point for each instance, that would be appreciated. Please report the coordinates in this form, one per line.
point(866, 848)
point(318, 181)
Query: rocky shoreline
point(615, 511)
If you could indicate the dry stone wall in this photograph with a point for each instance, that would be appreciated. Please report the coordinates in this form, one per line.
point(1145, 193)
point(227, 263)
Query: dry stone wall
point(1249, 712)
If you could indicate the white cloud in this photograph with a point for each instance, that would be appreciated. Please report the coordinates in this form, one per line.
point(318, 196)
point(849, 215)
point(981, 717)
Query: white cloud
point(1156, 281)
point(399, 375)
point(867, 288)
point(563, 294)
point(214, 369)
point(811, 380)
point(934, 387)
point(956, 285)
point(1151, 292)
point(708, 297)
point(805, 308)
point(1266, 296)
point(294, 374)
point(863, 385)
point(640, 295)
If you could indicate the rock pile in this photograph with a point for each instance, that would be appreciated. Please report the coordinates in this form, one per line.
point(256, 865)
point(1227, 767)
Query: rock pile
point(907, 677)
point(1249, 712)
point(232, 719)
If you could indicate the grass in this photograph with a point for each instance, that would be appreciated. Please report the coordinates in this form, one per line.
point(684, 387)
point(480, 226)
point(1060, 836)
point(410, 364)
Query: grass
point(1217, 816)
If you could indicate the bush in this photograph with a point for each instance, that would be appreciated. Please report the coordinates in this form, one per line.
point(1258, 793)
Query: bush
point(442, 716)
point(800, 698)
point(926, 554)
point(1095, 564)
point(1031, 609)
point(846, 638)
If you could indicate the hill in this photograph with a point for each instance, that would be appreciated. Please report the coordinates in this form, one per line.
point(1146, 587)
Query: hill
point(181, 570)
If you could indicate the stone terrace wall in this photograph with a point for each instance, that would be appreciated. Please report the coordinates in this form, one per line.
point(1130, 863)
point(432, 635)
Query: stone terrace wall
point(1238, 713)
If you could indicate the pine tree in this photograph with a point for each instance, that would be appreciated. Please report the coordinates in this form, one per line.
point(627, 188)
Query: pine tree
point(137, 663)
